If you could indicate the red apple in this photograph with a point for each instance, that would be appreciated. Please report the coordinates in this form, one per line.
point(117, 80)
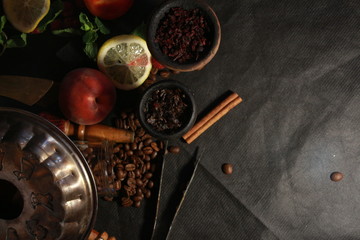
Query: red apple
point(86, 96)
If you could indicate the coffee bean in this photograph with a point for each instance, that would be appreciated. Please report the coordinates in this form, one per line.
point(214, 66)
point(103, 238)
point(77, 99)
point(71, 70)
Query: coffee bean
point(129, 153)
point(107, 198)
point(120, 174)
point(147, 158)
point(147, 141)
point(137, 173)
point(132, 125)
point(137, 123)
point(123, 115)
point(117, 185)
point(143, 169)
point(155, 146)
point(148, 175)
point(161, 145)
point(148, 166)
point(154, 155)
point(139, 182)
point(148, 194)
point(131, 174)
point(129, 190)
point(126, 202)
point(116, 149)
point(148, 150)
point(119, 123)
point(174, 149)
point(126, 147)
point(140, 132)
point(140, 145)
point(121, 153)
point(137, 204)
point(130, 167)
point(139, 153)
point(145, 182)
point(138, 191)
point(131, 182)
point(134, 146)
point(150, 184)
point(131, 115)
point(137, 198)
point(336, 176)
point(125, 124)
point(227, 168)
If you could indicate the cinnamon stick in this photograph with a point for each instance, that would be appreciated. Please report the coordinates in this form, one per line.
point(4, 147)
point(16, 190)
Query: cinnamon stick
point(213, 116)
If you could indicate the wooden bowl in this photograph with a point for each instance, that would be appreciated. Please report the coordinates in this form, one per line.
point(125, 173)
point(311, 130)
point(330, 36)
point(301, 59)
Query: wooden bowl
point(188, 117)
point(214, 35)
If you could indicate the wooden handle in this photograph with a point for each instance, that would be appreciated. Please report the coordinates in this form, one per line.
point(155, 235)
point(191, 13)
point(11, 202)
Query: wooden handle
point(103, 132)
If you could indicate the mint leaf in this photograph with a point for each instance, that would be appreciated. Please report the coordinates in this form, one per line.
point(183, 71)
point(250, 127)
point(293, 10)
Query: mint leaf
point(86, 24)
point(91, 50)
point(90, 37)
point(103, 29)
point(140, 31)
point(56, 8)
point(66, 32)
point(2, 22)
point(17, 41)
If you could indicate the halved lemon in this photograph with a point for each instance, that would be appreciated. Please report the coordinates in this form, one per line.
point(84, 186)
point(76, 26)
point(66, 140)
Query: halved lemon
point(25, 15)
point(126, 60)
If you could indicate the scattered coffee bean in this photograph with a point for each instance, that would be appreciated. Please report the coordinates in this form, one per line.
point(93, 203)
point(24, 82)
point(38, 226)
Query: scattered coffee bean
point(150, 184)
point(336, 176)
point(174, 149)
point(227, 168)
point(148, 194)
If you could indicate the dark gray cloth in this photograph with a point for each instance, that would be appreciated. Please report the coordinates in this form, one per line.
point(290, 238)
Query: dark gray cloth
point(296, 66)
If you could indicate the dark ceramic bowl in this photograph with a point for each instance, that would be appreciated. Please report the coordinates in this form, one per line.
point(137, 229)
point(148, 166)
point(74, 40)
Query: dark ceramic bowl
point(146, 104)
point(214, 35)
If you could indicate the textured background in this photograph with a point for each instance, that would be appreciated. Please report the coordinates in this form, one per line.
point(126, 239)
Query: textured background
point(296, 65)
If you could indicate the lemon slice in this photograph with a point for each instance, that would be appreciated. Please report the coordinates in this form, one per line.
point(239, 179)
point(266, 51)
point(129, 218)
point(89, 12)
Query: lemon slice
point(126, 60)
point(25, 15)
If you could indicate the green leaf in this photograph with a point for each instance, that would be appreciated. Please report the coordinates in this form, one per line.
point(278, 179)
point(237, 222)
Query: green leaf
point(56, 8)
point(103, 29)
point(17, 41)
point(2, 22)
point(140, 31)
point(90, 37)
point(91, 50)
point(3, 38)
point(66, 32)
point(86, 24)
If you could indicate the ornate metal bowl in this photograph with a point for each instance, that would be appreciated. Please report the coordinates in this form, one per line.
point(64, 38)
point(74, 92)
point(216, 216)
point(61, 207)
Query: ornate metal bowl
point(47, 189)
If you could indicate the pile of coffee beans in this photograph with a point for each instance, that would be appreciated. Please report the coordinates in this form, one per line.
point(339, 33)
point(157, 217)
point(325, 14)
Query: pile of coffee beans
point(131, 166)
